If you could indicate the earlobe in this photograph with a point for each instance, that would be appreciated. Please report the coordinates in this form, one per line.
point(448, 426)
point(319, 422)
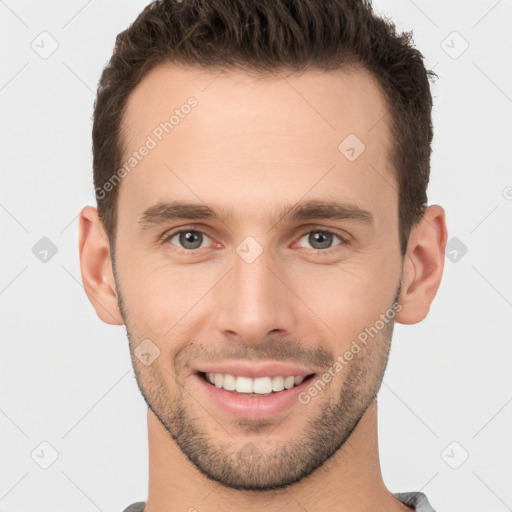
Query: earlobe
point(423, 266)
point(96, 267)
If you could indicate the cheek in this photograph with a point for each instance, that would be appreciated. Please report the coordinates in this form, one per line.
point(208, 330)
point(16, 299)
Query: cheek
point(349, 298)
point(162, 300)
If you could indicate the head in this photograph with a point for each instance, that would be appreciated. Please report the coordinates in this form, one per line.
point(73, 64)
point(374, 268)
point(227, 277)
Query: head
point(301, 131)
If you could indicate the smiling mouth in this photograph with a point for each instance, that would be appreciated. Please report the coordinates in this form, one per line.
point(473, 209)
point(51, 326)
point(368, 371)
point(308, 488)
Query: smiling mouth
point(258, 387)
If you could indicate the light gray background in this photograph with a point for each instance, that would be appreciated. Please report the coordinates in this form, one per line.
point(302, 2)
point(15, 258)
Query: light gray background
point(66, 378)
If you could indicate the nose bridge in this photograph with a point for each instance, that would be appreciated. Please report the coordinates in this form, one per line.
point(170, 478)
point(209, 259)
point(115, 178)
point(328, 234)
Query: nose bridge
point(255, 301)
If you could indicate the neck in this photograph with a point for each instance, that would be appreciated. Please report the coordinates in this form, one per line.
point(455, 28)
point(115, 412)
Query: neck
point(350, 480)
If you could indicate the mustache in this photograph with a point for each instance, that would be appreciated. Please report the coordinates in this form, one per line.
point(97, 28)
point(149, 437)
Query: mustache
point(272, 349)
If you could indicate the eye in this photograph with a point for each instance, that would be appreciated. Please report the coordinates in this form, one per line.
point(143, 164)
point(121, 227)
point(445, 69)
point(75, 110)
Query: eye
point(189, 239)
point(321, 239)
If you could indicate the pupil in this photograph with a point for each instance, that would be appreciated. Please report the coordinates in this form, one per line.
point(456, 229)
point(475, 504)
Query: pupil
point(188, 238)
point(317, 236)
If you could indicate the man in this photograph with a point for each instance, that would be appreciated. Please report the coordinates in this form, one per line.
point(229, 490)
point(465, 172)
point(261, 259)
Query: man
point(261, 172)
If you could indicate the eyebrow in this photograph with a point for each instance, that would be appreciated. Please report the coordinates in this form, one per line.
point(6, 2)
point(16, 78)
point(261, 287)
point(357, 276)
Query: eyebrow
point(162, 213)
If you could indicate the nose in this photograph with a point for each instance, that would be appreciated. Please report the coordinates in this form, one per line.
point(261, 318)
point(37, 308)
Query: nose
point(256, 300)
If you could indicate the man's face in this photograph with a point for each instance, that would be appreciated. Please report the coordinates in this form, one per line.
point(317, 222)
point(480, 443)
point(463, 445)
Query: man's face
point(256, 287)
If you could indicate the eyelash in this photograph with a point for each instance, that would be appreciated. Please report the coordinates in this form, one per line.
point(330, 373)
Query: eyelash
point(169, 235)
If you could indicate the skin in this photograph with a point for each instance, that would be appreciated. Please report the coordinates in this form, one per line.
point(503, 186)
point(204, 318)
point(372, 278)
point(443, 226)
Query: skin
point(253, 145)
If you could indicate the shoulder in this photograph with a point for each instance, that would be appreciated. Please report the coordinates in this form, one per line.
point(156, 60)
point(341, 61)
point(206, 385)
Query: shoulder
point(418, 500)
point(136, 507)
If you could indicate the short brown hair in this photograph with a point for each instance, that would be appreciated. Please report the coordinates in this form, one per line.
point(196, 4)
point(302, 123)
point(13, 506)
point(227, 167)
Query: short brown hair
point(263, 36)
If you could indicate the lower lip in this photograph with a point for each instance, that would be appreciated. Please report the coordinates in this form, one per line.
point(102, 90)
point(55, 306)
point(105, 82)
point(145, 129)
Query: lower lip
point(252, 407)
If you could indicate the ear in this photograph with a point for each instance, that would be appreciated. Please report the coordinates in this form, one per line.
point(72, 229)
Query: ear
point(96, 267)
point(423, 266)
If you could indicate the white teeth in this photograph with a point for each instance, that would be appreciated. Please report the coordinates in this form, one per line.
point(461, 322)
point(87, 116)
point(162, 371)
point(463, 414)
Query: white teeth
point(260, 385)
point(278, 384)
point(219, 380)
point(229, 382)
point(244, 385)
point(289, 382)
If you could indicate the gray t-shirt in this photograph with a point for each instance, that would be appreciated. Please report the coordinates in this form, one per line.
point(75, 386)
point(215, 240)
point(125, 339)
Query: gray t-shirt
point(417, 500)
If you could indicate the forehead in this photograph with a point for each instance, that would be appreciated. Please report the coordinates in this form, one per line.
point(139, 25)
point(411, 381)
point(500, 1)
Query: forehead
point(261, 136)
point(334, 101)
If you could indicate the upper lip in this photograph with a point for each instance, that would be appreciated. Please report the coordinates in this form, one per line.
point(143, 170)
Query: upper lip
point(248, 369)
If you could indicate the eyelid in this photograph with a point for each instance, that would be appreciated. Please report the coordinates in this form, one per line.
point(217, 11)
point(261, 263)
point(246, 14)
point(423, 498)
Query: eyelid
point(344, 236)
point(345, 240)
point(174, 231)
